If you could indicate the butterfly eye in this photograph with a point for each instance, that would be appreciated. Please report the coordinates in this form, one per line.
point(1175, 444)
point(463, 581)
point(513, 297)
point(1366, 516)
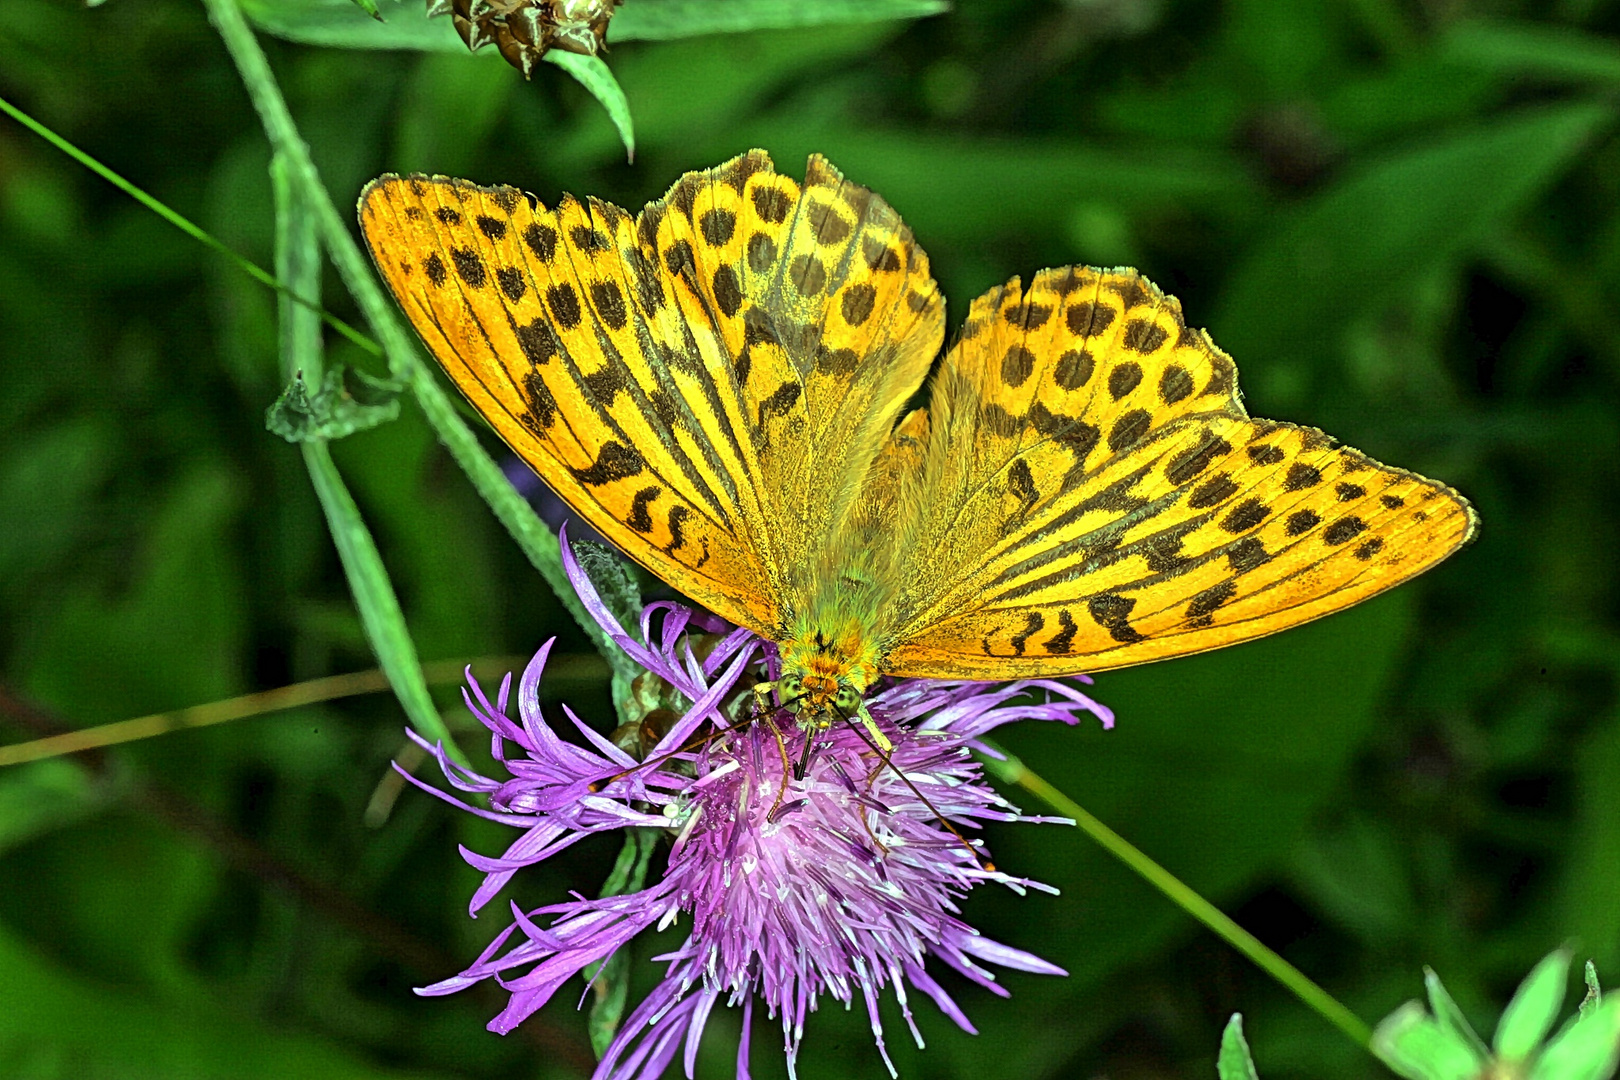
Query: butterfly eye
point(847, 700)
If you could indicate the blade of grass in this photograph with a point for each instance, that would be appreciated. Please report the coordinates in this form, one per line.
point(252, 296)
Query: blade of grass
point(1011, 770)
point(298, 263)
point(314, 691)
point(185, 225)
point(537, 541)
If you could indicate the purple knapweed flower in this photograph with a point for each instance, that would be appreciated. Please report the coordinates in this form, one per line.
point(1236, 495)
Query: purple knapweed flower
point(843, 884)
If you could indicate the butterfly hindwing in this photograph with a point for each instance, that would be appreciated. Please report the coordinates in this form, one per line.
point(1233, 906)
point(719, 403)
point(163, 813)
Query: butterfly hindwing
point(826, 307)
point(1096, 496)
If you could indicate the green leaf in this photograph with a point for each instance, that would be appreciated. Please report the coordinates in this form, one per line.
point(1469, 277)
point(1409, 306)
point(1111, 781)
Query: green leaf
point(595, 77)
point(1588, 1049)
point(405, 24)
point(663, 20)
point(1542, 50)
point(1594, 995)
point(1357, 245)
point(370, 8)
point(1448, 1015)
point(1412, 1044)
point(335, 410)
point(1530, 1015)
point(339, 24)
point(1235, 1062)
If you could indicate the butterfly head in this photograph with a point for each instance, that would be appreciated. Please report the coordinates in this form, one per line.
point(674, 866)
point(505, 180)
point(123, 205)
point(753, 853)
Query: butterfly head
point(825, 674)
point(819, 698)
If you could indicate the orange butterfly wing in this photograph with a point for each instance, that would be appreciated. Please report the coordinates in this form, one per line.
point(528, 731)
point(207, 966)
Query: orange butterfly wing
point(705, 383)
point(1095, 496)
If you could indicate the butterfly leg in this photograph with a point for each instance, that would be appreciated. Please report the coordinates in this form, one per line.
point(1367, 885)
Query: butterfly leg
point(781, 745)
point(870, 724)
point(804, 758)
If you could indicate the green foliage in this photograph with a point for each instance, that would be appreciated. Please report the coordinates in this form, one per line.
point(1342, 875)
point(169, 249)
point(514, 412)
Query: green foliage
point(1443, 1046)
point(334, 410)
point(1234, 1062)
point(1403, 227)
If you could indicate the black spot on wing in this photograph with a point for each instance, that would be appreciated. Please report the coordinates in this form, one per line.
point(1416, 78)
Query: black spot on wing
point(1124, 378)
point(537, 341)
point(1033, 623)
point(469, 267)
point(640, 520)
point(1302, 521)
point(1112, 612)
point(609, 302)
point(435, 268)
point(1343, 530)
point(615, 461)
point(512, 282)
point(1246, 555)
point(564, 305)
point(542, 240)
point(1205, 603)
point(1063, 641)
point(1143, 336)
point(1245, 515)
point(717, 225)
point(1073, 369)
point(1187, 465)
point(1129, 429)
point(1301, 476)
point(1175, 384)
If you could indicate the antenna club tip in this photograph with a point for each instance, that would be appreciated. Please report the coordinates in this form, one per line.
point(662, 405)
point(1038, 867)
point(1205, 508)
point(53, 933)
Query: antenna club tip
point(594, 787)
point(989, 867)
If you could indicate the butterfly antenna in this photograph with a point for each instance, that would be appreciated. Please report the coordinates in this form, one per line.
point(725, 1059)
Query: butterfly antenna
point(694, 743)
point(984, 864)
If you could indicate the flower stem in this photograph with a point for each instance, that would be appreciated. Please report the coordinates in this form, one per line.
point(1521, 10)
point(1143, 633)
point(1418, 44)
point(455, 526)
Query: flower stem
point(538, 542)
point(1011, 770)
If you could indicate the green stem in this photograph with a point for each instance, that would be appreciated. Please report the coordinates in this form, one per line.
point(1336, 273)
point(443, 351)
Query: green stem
point(298, 262)
point(185, 225)
point(538, 542)
point(1011, 770)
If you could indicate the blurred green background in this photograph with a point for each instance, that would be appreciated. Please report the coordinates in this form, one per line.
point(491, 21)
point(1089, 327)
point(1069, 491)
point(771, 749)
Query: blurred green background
point(1402, 217)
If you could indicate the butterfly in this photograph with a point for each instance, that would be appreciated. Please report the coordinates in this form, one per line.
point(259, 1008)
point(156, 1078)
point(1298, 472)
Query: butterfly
point(742, 387)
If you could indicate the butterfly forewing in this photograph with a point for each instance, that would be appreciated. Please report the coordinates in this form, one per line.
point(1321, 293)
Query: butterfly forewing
point(1099, 498)
point(560, 331)
point(706, 383)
